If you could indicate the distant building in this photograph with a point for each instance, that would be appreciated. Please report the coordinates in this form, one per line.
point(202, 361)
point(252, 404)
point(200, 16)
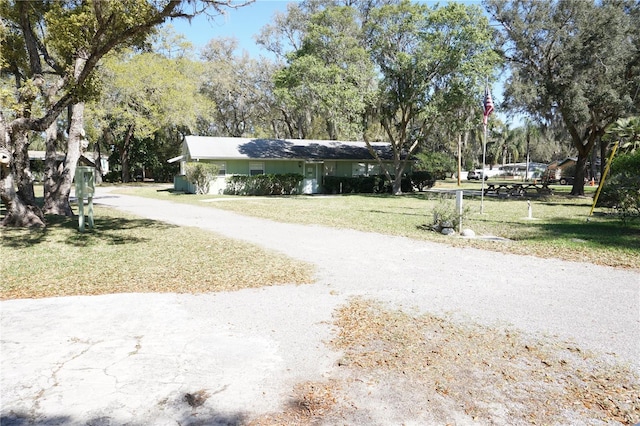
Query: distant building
point(561, 171)
point(36, 162)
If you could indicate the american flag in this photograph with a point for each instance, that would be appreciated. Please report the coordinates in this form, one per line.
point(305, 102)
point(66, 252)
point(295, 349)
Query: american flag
point(487, 105)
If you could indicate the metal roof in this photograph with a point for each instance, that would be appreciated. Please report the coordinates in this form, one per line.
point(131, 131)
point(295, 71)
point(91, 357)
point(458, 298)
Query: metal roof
point(224, 148)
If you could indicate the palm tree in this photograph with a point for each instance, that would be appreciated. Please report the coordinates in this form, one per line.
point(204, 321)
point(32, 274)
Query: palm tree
point(508, 144)
point(627, 131)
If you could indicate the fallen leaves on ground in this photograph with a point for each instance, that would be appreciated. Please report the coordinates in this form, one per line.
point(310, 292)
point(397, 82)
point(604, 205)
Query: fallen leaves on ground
point(540, 382)
point(400, 368)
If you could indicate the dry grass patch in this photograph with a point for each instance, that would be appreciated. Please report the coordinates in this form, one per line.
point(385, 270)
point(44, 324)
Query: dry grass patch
point(312, 403)
point(399, 368)
point(491, 376)
point(126, 254)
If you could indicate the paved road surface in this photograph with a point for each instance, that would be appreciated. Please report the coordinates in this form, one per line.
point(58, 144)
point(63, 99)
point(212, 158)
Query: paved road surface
point(132, 358)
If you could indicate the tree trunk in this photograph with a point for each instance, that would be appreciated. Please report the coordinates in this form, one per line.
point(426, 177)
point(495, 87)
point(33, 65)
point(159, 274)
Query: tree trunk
point(584, 149)
point(21, 204)
point(584, 144)
point(332, 131)
point(53, 177)
point(124, 155)
point(58, 190)
point(97, 158)
point(288, 122)
point(21, 168)
point(399, 169)
point(593, 167)
point(578, 179)
point(397, 185)
point(19, 213)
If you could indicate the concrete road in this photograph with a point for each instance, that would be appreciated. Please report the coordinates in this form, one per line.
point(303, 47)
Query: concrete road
point(221, 358)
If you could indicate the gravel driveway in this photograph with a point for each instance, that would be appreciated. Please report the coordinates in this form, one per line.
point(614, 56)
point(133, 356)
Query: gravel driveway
point(136, 359)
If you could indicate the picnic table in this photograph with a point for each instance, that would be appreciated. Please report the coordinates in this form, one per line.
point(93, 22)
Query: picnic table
point(517, 189)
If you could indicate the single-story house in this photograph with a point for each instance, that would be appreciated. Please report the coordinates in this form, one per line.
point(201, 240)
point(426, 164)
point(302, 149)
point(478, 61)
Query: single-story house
point(252, 156)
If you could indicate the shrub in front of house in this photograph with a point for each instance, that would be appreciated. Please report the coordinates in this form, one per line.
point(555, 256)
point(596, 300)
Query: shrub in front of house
point(377, 184)
point(200, 175)
point(351, 185)
point(272, 184)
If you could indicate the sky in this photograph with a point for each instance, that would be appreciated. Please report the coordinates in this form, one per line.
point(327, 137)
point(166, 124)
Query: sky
point(245, 23)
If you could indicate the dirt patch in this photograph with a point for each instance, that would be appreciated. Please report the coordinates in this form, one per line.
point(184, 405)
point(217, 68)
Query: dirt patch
point(196, 399)
point(311, 404)
point(401, 368)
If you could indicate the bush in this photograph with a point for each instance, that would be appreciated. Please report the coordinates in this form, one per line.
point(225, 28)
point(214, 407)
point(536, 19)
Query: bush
point(377, 184)
point(200, 175)
point(113, 176)
point(272, 184)
point(351, 185)
point(445, 214)
point(422, 179)
point(622, 190)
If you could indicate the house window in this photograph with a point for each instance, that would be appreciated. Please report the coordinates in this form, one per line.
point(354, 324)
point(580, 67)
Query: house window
point(359, 169)
point(222, 167)
point(256, 168)
point(373, 169)
point(329, 168)
point(310, 171)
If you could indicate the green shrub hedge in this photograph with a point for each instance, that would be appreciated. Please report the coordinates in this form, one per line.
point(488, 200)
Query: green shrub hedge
point(287, 184)
point(272, 184)
point(377, 184)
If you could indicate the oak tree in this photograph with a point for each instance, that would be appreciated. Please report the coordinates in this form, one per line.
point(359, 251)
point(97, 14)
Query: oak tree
point(66, 39)
point(422, 55)
point(572, 59)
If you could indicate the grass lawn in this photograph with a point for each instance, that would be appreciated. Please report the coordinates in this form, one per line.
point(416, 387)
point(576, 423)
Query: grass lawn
point(130, 254)
point(559, 227)
point(125, 254)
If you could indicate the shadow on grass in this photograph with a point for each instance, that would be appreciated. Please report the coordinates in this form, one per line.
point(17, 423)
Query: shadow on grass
point(420, 212)
point(107, 230)
point(605, 234)
point(562, 202)
point(170, 191)
point(610, 234)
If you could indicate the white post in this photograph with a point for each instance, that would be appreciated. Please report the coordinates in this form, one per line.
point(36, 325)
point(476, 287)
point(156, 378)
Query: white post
point(459, 197)
point(529, 206)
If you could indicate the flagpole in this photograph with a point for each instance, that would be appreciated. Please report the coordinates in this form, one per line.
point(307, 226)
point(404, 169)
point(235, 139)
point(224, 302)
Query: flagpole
point(487, 109)
point(484, 154)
